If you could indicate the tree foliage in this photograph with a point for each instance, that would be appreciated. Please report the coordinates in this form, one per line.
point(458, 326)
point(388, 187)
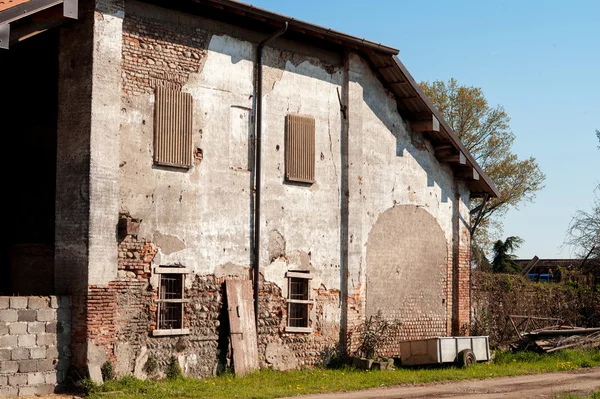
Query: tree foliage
point(504, 259)
point(485, 132)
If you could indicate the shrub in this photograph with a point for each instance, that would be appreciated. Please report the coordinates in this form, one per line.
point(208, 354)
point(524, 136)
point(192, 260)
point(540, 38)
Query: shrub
point(174, 369)
point(107, 371)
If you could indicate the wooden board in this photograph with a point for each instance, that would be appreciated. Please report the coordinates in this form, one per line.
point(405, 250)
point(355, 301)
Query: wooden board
point(240, 307)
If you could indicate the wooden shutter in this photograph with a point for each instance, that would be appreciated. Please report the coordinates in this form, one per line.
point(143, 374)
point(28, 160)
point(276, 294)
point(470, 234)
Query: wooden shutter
point(173, 128)
point(300, 149)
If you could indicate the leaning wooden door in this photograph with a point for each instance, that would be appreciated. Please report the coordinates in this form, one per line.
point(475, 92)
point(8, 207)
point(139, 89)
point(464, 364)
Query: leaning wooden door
point(240, 307)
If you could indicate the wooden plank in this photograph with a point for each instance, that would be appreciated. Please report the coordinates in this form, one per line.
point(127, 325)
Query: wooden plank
point(240, 308)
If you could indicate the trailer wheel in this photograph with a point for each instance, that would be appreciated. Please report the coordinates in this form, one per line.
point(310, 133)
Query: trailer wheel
point(465, 358)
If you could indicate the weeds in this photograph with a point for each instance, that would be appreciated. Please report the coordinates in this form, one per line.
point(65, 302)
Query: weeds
point(174, 369)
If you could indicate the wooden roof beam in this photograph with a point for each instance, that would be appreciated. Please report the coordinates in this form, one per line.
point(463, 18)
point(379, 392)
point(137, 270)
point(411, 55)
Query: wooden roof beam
point(426, 126)
point(467, 174)
point(459, 159)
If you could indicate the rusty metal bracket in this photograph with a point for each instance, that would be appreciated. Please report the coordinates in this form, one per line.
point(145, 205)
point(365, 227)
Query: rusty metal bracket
point(4, 36)
point(71, 9)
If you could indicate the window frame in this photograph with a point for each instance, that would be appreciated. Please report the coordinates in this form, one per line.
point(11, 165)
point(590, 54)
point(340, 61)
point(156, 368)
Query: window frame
point(307, 276)
point(160, 272)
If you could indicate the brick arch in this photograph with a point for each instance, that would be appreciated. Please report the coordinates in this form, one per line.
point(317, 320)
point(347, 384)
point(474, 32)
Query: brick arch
point(407, 260)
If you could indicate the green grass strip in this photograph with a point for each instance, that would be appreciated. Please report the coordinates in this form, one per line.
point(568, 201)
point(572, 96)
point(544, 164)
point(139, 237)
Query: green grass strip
point(268, 384)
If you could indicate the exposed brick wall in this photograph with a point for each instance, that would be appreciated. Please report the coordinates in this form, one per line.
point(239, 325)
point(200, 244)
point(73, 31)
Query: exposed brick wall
point(463, 288)
point(155, 53)
point(309, 349)
point(120, 318)
point(35, 334)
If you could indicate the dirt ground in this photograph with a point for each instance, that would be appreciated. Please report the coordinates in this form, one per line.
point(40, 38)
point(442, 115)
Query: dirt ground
point(538, 386)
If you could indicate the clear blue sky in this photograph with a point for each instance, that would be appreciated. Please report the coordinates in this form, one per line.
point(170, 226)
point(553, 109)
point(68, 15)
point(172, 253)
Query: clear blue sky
point(538, 59)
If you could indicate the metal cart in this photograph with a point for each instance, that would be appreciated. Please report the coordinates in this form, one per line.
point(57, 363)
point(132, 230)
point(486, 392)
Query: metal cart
point(462, 351)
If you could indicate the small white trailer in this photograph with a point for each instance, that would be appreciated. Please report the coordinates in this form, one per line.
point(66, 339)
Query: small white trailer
point(462, 351)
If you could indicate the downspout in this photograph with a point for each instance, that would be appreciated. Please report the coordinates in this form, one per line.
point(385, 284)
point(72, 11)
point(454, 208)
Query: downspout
point(257, 170)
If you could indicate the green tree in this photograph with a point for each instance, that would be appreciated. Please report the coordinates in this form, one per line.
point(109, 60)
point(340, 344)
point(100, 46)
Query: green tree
point(504, 259)
point(485, 132)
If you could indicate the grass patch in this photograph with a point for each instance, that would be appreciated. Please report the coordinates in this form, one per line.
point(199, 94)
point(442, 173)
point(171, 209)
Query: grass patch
point(268, 384)
point(593, 395)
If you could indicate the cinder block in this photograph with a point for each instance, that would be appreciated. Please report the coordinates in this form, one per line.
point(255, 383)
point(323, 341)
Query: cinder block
point(51, 327)
point(28, 366)
point(8, 315)
point(46, 315)
point(20, 354)
point(38, 353)
point(17, 328)
point(46, 365)
point(5, 354)
point(36, 390)
point(8, 366)
point(36, 327)
point(27, 315)
point(18, 302)
point(4, 302)
point(3, 381)
point(27, 341)
point(3, 328)
point(46, 339)
point(8, 341)
point(52, 352)
point(8, 392)
point(54, 302)
point(17, 380)
point(38, 302)
point(36, 378)
point(51, 378)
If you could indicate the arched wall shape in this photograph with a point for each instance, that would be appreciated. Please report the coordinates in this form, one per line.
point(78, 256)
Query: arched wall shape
point(407, 271)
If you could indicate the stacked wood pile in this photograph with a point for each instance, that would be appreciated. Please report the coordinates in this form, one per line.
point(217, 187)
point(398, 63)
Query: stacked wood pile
point(555, 338)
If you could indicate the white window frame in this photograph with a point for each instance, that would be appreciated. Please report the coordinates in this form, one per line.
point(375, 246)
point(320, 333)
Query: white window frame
point(159, 271)
point(302, 275)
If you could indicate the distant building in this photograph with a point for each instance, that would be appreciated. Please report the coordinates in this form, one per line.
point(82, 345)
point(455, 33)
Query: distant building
point(546, 270)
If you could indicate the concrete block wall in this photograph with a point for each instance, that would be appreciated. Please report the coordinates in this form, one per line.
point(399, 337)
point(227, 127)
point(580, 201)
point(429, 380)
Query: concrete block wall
point(35, 334)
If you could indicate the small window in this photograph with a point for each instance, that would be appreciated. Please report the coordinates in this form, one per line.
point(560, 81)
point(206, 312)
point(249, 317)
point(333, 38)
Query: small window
point(173, 128)
point(300, 149)
point(299, 302)
point(171, 301)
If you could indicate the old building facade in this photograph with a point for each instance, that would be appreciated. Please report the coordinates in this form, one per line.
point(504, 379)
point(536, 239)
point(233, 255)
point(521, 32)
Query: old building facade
point(360, 199)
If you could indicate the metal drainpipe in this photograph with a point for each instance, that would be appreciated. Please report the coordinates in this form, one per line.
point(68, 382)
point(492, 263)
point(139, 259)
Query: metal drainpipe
point(257, 171)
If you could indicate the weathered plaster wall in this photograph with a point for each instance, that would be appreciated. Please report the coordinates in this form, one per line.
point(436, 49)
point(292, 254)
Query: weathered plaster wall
point(390, 166)
point(201, 218)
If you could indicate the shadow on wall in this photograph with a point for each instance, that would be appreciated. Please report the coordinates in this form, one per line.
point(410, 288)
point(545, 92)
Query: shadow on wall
point(388, 115)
